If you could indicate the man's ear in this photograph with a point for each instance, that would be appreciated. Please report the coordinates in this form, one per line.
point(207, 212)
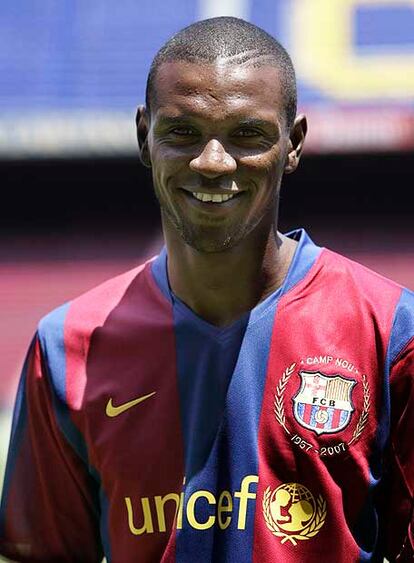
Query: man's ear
point(296, 140)
point(142, 122)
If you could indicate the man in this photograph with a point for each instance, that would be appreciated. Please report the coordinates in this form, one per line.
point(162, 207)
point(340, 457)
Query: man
point(246, 396)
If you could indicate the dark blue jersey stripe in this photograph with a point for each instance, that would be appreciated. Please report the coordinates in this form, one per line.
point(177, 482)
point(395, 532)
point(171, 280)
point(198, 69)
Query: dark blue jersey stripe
point(403, 326)
point(222, 373)
point(51, 336)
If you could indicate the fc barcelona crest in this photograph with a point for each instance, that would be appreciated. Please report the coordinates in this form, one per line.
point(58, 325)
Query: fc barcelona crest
point(323, 403)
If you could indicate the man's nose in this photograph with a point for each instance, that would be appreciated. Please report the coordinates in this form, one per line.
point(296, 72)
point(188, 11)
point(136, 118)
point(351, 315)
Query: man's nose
point(213, 161)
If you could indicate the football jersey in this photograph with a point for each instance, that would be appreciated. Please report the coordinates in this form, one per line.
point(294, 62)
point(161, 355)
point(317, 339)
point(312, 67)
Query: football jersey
point(143, 433)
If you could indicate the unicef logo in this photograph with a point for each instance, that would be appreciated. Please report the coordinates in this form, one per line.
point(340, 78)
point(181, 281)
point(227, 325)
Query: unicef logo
point(291, 512)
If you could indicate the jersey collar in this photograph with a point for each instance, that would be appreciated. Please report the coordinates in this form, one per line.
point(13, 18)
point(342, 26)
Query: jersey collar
point(305, 256)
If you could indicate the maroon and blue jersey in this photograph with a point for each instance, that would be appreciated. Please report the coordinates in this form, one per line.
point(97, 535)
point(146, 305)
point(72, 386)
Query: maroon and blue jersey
point(143, 433)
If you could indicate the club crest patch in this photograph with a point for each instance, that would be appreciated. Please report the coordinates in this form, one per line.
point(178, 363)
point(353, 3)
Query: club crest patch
point(323, 404)
point(332, 409)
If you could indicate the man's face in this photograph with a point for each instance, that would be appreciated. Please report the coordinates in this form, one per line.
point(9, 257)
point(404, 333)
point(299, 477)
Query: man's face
point(218, 145)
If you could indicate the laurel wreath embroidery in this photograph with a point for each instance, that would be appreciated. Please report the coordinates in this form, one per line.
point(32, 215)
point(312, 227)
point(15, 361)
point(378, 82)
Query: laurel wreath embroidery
point(279, 408)
point(309, 532)
point(364, 415)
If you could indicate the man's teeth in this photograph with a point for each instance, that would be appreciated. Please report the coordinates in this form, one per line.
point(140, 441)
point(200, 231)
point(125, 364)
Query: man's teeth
point(215, 198)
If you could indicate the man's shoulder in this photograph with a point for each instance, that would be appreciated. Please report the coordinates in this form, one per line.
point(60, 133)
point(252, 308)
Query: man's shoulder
point(365, 288)
point(90, 309)
point(328, 268)
point(355, 273)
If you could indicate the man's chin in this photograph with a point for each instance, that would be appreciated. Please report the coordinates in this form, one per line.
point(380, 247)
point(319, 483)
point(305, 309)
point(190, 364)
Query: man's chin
point(210, 245)
point(207, 239)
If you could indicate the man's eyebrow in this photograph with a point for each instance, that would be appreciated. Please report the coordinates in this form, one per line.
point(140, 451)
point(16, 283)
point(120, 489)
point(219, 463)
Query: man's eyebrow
point(242, 122)
point(256, 122)
point(172, 120)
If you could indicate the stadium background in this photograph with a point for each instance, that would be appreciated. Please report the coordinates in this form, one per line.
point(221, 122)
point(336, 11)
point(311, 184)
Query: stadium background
point(77, 207)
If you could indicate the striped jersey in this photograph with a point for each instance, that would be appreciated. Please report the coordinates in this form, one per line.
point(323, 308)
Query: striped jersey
point(143, 433)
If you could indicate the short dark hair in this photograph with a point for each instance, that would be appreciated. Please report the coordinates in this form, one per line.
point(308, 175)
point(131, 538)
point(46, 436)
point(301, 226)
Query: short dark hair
point(207, 40)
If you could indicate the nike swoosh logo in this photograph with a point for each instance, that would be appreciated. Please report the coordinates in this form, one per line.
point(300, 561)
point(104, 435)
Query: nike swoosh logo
point(112, 410)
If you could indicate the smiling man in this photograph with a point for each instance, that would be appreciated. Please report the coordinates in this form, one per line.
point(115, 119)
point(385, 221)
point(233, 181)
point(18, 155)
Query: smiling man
point(246, 395)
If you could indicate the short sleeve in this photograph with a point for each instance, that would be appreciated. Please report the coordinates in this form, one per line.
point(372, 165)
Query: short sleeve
point(399, 512)
point(50, 508)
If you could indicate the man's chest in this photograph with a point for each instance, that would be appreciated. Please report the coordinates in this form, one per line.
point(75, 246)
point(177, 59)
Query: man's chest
point(268, 449)
point(288, 454)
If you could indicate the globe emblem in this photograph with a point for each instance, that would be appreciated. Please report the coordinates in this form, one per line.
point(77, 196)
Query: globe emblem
point(292, 507)
point(292, 514)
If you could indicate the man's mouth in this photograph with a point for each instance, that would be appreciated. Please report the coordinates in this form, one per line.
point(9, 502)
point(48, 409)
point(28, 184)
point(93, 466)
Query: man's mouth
point(213, 198)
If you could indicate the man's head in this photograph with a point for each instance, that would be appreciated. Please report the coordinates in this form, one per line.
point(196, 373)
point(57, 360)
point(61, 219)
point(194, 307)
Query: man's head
point(219, 132)
point(231, 39)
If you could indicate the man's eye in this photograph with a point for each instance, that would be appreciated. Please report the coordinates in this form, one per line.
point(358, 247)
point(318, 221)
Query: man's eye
point(247, 133)
point(182, 131)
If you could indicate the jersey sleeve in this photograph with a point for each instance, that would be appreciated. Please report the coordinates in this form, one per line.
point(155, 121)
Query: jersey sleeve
point(49, 509)
point(399, 512)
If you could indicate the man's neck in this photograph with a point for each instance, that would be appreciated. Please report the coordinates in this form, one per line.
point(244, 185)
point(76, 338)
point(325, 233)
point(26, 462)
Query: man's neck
point(221, 286)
